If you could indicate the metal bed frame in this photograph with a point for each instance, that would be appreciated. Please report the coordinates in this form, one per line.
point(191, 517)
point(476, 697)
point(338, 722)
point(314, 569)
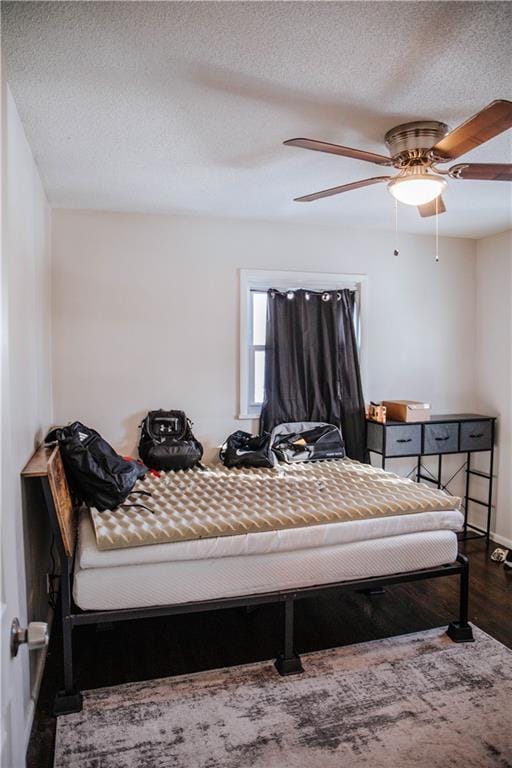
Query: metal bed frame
point(288, 661)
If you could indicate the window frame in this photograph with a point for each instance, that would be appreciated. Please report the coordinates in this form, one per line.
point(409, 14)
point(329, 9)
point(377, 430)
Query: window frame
point(258, 280)
point(252, 405)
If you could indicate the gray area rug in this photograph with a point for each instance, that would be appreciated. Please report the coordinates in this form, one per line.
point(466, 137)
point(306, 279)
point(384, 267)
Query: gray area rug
point(414, 701)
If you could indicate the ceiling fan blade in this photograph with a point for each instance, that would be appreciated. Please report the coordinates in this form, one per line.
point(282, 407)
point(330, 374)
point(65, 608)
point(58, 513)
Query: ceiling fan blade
point(343, 188)
point(337, 149)
point(495, 118)
point(429, 209)
point(482, 171)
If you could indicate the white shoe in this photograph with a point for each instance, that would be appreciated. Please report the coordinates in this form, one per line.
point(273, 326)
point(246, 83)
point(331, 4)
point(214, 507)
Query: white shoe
point(500, 555)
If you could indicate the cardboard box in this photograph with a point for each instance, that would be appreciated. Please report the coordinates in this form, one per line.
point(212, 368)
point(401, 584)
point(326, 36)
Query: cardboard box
point(407, 410)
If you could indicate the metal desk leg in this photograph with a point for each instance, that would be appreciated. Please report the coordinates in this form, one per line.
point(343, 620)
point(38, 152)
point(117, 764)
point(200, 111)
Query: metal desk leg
point(489, 498)
point(466, 502)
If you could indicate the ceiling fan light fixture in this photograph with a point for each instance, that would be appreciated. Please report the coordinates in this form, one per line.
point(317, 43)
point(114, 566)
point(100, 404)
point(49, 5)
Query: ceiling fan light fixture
point(417, 188)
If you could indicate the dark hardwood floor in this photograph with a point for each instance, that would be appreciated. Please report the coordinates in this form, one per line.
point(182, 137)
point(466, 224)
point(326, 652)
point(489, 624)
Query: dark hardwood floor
point(175, 645)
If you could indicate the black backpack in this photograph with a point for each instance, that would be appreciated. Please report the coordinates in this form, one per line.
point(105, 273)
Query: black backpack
point(167, 442)
point(97, 474)
point(242, 449)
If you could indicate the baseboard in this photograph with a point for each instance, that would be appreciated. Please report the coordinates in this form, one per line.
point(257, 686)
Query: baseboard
point(501, 540)
point(34, 694)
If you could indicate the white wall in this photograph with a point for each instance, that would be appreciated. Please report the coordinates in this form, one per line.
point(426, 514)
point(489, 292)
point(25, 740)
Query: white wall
point(493, 363)
point(25, 415)
point(146, 314)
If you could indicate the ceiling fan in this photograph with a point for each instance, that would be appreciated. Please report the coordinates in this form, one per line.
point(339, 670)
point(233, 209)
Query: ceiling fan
point(416, 149)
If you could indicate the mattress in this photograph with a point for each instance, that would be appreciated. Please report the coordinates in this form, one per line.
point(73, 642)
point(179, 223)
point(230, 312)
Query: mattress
point(217, 502)
point(266, 542)
point(193, 580)
point(254, 563)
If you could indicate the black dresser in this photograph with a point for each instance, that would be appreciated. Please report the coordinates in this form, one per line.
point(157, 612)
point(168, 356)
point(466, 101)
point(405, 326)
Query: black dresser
point(441, 435)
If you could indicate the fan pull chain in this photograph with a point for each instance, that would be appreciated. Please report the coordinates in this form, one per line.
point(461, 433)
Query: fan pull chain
point(396, 251)
point(437, 228)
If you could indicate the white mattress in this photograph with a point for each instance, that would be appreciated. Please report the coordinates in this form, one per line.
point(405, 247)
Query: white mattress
point(183, 581)
point(311, 537)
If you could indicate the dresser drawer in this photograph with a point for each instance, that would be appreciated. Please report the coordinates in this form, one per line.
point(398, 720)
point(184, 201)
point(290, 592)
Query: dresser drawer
point(476, 436)
point(403, 440)
point(441, 438)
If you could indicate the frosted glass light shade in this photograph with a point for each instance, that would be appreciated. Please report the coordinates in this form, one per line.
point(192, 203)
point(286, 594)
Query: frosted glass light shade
point(417, 189)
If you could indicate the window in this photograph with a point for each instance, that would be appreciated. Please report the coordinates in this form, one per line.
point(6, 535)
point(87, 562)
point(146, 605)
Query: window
point(254, 285)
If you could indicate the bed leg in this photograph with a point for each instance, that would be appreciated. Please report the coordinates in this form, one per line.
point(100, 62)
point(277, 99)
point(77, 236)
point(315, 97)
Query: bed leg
point(70, 699)
point(461, 631)
point(288, 662)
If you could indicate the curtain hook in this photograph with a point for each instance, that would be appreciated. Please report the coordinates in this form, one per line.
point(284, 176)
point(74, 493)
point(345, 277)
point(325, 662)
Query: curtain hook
point(290, 295)
point(325, 296)
point(338, 295)
point(307, 295)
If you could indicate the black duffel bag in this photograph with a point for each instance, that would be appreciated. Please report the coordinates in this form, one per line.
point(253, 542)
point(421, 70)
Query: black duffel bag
point(242, 449)
point(98, 476)
point(307, 441)
point(167, 442)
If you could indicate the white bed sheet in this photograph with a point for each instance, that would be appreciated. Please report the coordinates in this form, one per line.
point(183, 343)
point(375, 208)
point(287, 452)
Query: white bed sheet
point(310, 537)
point(182, 581)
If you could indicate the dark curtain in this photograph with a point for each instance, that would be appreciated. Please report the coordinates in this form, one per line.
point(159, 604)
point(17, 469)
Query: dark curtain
point(311, 364)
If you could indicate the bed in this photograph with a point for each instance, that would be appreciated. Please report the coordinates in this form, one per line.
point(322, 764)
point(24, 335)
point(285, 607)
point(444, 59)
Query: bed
point(188, 547)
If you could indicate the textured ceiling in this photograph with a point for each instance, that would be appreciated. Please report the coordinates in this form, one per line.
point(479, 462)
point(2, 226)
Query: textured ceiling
point(182, 107)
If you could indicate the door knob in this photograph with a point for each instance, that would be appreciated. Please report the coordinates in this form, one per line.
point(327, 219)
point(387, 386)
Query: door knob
point(36, 636)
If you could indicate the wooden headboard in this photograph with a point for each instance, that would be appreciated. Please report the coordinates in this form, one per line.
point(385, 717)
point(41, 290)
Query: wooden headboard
point(47, 463)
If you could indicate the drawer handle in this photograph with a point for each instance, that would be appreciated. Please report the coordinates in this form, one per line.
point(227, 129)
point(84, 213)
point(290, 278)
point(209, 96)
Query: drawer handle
point(476, 434)
point(439, 439)
point(404, 439)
